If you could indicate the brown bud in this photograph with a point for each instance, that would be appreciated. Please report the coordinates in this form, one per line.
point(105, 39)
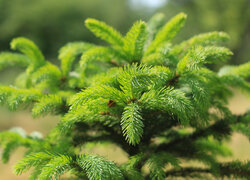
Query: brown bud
point(174, 80)
point(111, 103)
point(132, 100)
point(63, 79)
point(104, 113)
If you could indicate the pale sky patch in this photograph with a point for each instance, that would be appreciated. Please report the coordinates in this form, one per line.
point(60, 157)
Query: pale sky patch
point(148, 3)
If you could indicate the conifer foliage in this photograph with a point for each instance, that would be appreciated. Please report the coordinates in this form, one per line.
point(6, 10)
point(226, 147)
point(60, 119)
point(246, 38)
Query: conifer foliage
point(158, 101)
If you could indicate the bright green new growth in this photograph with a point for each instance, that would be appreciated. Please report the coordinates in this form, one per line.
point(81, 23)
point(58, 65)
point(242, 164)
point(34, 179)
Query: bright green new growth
point(132, 124)
point(105, 32)
point(68, 54)
point(158, 101)
point(167, 32)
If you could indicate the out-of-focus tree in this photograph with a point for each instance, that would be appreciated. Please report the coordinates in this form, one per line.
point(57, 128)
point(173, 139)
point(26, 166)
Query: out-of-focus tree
point(52, 23)
point(231, 16)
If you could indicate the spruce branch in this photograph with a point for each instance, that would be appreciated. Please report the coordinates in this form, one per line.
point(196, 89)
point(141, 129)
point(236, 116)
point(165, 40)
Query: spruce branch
point(8, 59)
point(155, 99)
point(204, 39)
point(134, 41)
point(131, 122)
point(168, 31)
point(30, 50)
point(219, 130)
point(235, 169)
point(48, 104)
point(154, 24)
point(69, 52)
point(105, 32)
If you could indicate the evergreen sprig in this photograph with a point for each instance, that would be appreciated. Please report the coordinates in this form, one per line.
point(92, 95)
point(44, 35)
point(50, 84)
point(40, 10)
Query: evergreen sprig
point(157, 100)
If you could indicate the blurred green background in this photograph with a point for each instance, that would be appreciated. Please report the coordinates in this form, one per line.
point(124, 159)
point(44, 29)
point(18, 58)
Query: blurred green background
point(53, 23)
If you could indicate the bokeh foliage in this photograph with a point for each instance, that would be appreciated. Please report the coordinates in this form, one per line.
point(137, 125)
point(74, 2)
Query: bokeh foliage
point(53, 23)
point(231, 16)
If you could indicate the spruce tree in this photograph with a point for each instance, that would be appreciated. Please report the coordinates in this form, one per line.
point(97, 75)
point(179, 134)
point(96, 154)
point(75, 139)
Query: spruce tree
point(157, 100)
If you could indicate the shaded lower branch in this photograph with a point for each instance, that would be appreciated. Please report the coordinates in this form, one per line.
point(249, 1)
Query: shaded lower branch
point(185, 172)
point(225, 169)
point(105, 133)
point(218, 130)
